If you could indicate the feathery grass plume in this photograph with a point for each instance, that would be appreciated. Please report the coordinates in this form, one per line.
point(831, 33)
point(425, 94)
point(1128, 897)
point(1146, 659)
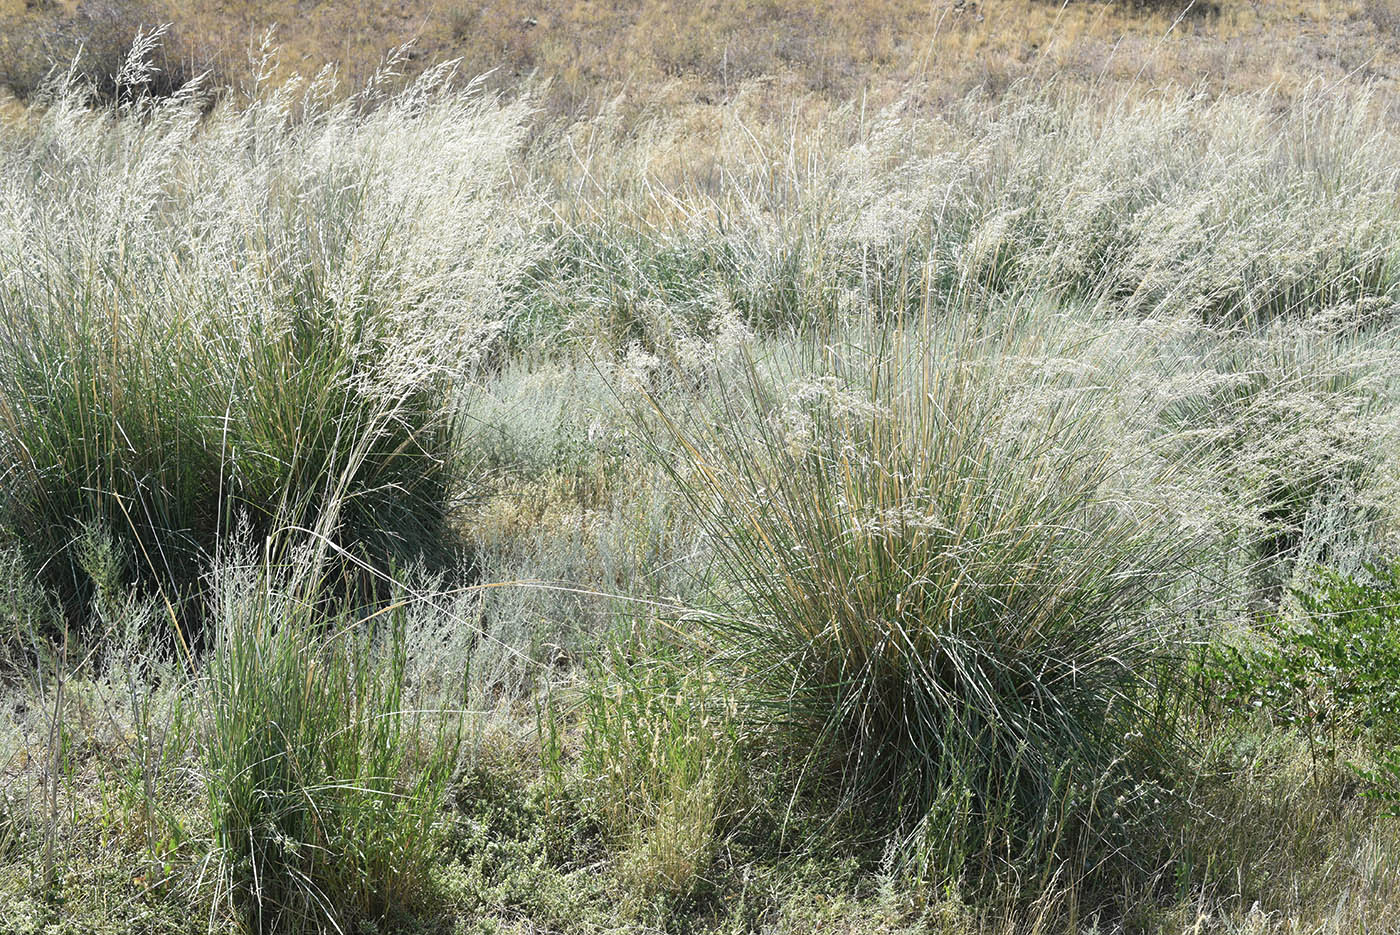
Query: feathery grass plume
point(940, 591)
point(1301, 415)
point(205, 315)
point(1162, 203)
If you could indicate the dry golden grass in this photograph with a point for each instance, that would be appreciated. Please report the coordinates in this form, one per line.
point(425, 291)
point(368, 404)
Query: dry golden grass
point(668, 53)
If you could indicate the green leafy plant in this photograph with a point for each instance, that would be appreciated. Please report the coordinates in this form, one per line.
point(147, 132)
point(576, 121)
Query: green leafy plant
point(1334, 671)
point(1383, 781)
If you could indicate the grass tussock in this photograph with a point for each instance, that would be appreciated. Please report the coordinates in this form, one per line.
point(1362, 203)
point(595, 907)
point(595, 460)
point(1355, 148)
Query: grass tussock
point(941, 590)
point(325, 786)
point(220, 355)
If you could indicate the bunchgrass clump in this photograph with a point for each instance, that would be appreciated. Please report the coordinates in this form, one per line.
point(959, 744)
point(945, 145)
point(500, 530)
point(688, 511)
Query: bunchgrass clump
point(940, 588)
point(325, 789)
point(166, 435)
point(208, 318)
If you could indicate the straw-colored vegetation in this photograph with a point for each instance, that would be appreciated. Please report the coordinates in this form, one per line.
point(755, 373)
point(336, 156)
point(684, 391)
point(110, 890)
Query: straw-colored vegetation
point(438, 505)
point(689, 57)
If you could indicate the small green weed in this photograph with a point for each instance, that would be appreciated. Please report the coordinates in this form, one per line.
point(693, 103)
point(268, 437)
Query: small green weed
point(660, 762)
point(1334, 671)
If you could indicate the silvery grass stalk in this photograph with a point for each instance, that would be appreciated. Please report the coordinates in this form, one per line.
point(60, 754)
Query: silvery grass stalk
point(1162, 203)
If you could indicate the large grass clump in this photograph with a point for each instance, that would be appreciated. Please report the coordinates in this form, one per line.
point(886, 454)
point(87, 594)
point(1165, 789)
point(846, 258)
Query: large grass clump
point(943, 591)
point(244, 316)
point(170, 438)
